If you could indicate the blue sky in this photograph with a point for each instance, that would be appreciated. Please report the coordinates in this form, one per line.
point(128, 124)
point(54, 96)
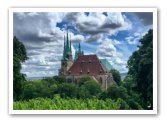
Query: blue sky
point(110, 35)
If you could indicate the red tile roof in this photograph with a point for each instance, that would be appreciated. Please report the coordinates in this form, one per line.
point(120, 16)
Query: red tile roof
point(85, 64)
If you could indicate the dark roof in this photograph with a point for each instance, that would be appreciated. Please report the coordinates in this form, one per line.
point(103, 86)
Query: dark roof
point(87, 65)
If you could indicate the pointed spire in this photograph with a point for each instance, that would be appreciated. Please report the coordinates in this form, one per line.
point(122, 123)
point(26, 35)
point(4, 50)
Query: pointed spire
point(64, 53)
point(70, 43)
point(67, 46)
point(79, 47)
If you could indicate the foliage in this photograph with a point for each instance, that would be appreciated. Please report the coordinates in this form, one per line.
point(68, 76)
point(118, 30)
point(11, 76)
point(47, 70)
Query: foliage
point(19, 56)
point(134, 105)
point(39, 88)
point(116, 75)
point(103, 95)
point(140, 66)
point(89, 89)
point(58, 103)
point(129, 83)
point(59, 79)
point(84, 79)
point(67, 90)
point(114, 91)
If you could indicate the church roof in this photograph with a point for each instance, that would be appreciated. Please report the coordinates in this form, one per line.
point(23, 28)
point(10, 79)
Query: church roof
point(87, 65)
point(106, 64)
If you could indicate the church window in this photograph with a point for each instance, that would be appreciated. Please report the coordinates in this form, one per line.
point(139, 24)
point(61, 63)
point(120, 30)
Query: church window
point(88, 71)
point(90, 61)
point(100, 70)
point(83, 61)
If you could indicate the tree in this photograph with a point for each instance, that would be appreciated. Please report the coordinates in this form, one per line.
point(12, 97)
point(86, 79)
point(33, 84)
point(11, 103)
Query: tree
point(67, 90)
point(84, 79)
point(59, 79)
point(114, 91)
point(19, 56)
point(116, 76)
point(140, 66)
point(89, 89)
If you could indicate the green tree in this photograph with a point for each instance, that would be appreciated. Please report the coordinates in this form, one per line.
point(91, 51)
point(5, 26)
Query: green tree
point(140, 66)
point(103, 95)
point(67, 90)
point(113, 91)
point(116, 76)
point(19, 56)
point(84, 79)
point(89, 89)
point(59, 79)
point(38, 88)
point(129, 83)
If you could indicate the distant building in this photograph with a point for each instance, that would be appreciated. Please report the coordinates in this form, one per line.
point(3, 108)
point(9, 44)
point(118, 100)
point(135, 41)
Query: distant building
point(84, 65)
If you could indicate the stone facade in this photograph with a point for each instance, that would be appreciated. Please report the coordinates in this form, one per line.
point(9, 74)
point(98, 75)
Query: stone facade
point(65, 66)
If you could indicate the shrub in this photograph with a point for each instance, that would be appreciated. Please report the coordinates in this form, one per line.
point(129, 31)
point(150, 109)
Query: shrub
point(84, 79)
point(116, 76)
point(59, 79)
point(134, 105)
point(103, 95)
point(89, 89)
point(67, 90)
point(113, 91)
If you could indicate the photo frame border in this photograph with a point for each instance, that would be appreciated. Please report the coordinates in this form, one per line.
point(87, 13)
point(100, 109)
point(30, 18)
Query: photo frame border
point(12, 10)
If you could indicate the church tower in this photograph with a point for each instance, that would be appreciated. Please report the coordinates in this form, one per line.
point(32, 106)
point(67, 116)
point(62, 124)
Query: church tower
point(78, 52)
point(66, 61)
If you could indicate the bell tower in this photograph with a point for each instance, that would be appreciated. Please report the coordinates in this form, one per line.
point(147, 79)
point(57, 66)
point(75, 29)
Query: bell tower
point(66, 61)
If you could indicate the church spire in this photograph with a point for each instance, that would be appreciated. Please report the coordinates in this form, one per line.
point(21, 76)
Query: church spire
point(70, 43)
point(67, 46)
point(79, 47)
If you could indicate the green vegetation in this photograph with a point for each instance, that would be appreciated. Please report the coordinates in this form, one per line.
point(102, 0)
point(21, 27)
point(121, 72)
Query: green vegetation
point(116, 76)
point(140, 66)
point(19, 56)
point(54, 93)
point(58, 103)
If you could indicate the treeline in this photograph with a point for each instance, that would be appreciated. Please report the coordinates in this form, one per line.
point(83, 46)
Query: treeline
point(86, 89)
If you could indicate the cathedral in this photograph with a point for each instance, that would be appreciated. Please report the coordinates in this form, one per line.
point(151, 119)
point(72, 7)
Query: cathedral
point(83, 65)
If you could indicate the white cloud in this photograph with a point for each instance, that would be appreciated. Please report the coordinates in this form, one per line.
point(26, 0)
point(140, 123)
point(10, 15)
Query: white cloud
point(97, 23)
point(107, 49)
point(116, 42)
point(132, 40)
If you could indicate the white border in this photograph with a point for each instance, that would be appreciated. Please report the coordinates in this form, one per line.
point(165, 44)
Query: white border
point(154, 111)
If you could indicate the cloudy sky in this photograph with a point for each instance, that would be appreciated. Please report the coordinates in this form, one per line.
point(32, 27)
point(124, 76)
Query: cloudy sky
point(109, 35)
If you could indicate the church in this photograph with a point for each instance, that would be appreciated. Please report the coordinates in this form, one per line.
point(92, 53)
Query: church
point(82, 65)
